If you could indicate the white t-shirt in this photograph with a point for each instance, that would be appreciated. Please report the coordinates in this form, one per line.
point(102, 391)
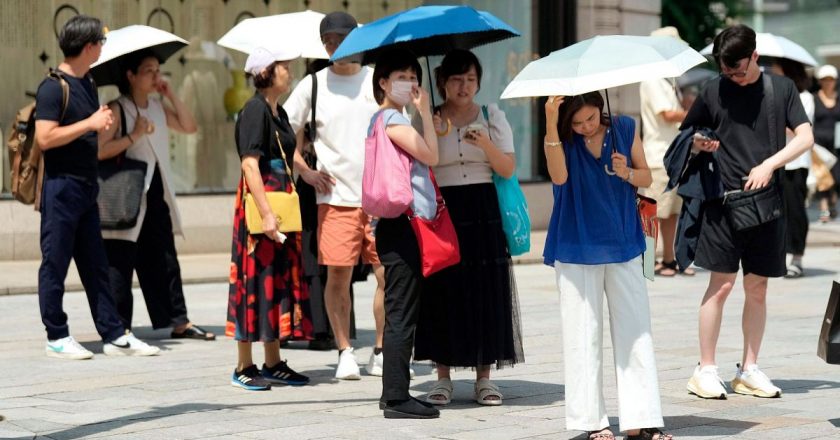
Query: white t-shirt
point(658, 96)
point(804, 159)
point(345, 105)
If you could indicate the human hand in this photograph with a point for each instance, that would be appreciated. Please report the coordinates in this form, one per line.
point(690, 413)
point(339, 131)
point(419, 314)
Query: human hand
point(619, 165)
point(439, 125)
point(164, 88)
point(477, 137)
point(269, 227)
point(702, 143)
point(420, 99)
point(759, 177)
point(101, 120)
point(321, 181)
point(141, 127)
point(552, 110)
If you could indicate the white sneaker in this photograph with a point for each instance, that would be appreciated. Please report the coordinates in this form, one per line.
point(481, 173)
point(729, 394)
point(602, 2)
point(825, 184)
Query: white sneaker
point(129, 345)
point(753, 382)
point(347, 368)
point(374, 366)
point(706, 383)
point(67, 348)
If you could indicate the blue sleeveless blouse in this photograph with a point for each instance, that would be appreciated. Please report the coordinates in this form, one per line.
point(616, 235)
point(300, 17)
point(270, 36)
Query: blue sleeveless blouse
point(594, 219)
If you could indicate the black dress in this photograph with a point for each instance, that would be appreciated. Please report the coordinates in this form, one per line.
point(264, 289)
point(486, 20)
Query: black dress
point(825, 120)
point(469, 313)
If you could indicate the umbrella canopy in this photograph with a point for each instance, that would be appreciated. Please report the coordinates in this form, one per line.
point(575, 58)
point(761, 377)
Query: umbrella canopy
point(603, 62)
point(122, 42)
point(425, 30)
point(769, 45)
point(695, 77)
point(301, 29)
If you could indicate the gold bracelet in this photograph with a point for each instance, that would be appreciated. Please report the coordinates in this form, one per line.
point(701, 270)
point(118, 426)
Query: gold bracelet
point(553, 144)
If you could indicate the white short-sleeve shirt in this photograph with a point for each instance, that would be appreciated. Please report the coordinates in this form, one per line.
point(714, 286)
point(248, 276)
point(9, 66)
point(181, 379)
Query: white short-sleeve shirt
point(658, 96)
point(344, 106)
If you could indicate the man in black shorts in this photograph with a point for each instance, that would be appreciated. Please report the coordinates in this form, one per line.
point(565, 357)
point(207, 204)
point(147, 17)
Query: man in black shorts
point(69, 213)
point(737, 106)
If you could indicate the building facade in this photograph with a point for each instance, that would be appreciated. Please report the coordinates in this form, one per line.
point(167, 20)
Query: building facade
point(205, 164)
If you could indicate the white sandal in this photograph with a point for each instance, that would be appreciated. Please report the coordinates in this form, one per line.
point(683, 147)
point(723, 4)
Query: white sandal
point(443, 387)
point(484, 389)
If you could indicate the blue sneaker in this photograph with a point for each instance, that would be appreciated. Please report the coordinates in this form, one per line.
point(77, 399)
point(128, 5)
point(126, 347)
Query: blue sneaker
point(282, 374)
point(250, 379)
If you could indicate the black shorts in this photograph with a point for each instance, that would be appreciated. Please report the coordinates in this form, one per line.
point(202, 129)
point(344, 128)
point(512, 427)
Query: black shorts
point(759, 250)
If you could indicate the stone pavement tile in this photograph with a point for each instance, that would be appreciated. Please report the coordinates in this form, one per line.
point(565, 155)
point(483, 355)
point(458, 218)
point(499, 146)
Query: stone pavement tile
point(817, 430)
point(38, 425)
point(9, 430)
point(542, 427)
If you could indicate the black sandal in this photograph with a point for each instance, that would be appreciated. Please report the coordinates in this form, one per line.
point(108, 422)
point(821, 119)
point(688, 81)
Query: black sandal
point(650, 434)
point(194, 332)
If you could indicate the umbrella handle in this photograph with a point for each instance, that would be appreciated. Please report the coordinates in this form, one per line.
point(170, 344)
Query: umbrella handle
point(431, 85)
point(612, 132)
point(607, 170)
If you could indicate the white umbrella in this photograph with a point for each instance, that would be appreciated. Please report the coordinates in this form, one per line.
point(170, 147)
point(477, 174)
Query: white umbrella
point(122, 42)
point(301, 29)
point(769, 45)
point(603, 62)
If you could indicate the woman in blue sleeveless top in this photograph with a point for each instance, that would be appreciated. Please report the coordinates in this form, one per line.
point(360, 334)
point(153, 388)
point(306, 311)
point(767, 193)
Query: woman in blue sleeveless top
point(595, 243)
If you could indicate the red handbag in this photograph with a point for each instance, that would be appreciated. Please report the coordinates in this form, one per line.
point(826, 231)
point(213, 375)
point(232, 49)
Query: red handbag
point(436, 237)
point(647, 214)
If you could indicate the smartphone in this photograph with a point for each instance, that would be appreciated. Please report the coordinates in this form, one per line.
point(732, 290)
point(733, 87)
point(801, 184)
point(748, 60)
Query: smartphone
point(474, 128)
point(701, 137)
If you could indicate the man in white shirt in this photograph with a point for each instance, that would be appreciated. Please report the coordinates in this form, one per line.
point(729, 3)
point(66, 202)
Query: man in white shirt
point(343, 109)
point(661, 117)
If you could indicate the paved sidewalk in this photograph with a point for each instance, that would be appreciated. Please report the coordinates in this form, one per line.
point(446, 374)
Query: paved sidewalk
point(185, 392)
point(21, 277)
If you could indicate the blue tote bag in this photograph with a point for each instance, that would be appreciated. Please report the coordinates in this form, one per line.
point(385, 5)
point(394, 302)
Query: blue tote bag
point(513, 208)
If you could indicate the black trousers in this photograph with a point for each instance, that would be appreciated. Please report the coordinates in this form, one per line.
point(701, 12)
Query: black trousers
point(399, 254)
point(154, 258)
point(70, 229)
point(795, 192)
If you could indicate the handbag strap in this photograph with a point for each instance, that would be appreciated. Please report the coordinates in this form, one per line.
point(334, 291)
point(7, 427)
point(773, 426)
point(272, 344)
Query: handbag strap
point(438, 196)
point(770, 107)
point(271, 154)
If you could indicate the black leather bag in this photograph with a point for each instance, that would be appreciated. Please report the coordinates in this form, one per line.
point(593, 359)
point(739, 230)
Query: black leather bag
point(121, 184)
point(748, 209)
point(828, 348)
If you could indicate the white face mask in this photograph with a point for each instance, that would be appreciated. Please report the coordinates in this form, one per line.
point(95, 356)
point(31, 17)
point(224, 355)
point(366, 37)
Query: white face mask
point(401, 92)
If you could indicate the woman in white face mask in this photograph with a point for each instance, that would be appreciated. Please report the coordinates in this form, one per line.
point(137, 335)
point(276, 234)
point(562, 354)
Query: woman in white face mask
point(396, 83)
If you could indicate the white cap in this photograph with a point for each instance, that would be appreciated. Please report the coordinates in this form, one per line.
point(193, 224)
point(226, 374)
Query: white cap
point(827, 71)
point(667, 31)
point(261, 58)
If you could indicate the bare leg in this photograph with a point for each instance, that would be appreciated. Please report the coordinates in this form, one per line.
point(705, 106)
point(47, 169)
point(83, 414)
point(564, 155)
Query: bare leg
point(337, 299)
point(754, 317)
point(711, 313)
point(243, 355)
point(272, 353)
point(379, 303)
point(668, 226)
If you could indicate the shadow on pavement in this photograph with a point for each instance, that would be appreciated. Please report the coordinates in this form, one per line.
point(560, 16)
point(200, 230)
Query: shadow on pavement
point(835, 422)
point(804, 386)
point(723, 427)
point(160, 412)
point(515, 392)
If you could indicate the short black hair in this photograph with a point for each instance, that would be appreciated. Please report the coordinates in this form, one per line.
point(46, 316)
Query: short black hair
point(77, 33)
point(264, 79)
point(733, 44)
point(391, 61)
point(456, 62)
point(132, 63)
point(572, 105)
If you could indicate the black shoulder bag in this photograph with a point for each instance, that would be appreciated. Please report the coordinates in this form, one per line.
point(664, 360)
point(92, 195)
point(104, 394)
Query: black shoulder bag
point(121, 183)
point(748, 209)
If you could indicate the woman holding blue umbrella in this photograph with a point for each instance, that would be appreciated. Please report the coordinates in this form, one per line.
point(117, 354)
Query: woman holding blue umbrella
point(595, 243)
point(469, 313)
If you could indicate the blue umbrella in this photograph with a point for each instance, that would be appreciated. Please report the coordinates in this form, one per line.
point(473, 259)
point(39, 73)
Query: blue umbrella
point(426, 31)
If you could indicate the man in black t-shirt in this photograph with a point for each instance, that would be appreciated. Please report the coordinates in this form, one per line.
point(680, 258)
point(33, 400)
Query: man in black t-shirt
point(69, 213)
point(737, 107)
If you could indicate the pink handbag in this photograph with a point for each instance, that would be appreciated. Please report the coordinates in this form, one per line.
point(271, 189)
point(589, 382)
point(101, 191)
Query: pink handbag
point(386, 181)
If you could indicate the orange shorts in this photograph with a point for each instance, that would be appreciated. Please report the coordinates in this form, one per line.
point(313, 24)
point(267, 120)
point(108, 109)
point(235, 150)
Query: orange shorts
point(344, 233)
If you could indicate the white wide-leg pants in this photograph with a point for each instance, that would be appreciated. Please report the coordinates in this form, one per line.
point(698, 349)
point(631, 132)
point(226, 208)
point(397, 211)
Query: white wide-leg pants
point(582, 289)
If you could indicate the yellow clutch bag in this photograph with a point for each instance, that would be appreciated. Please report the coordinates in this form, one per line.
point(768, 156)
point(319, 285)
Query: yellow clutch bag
point(285, 206)
point(286, 209)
